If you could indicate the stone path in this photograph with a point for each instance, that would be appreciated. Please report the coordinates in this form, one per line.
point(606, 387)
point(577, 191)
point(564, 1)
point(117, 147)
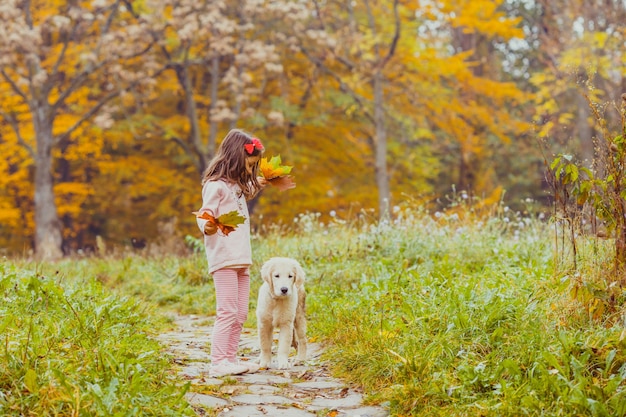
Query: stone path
point(302, 391)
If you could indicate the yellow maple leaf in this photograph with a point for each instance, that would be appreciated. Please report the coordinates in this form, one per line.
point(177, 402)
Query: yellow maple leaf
point(277, 174)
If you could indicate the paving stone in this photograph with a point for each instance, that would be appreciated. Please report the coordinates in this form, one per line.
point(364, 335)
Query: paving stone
point(192, 355)
point(195, 369)
point(264, 411)
point(263, 378)
point(349, 401)
point(260, 399)
point(263, 389)
point(233, 389)
point(195, 398)
point(315, 385)
point(207, 382)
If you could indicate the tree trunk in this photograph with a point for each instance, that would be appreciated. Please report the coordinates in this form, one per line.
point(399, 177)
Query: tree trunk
point(585, 134)
point(194, 139)
point(382, 175)
point(48, 236)
point(215, 82)
point(466, 173)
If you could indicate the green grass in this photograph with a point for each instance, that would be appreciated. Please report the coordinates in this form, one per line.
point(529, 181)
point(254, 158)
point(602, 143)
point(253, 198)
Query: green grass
point(432, 315)
point(70, 348)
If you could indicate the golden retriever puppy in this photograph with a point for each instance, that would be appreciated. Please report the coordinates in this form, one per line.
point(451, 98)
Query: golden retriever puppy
point(281, 304)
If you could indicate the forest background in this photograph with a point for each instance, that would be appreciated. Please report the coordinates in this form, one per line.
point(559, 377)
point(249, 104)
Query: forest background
point(111, 109)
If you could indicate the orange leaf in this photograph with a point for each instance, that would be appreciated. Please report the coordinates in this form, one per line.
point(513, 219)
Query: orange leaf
point(283, 183)
point(225, 223)
point(204, 215)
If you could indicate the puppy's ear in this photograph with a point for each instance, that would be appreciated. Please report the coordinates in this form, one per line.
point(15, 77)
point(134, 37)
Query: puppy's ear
point(266, 271)
point(300, 276)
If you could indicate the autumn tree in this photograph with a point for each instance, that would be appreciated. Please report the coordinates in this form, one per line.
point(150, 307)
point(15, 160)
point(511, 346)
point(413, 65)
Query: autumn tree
point(397, 97)
point(221, 56)
point(357, 42)
point(577, 54)
point(392, 59)
point(60, 65)
point(480, 106)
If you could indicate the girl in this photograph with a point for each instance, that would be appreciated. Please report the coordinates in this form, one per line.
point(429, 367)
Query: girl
point(228, 182)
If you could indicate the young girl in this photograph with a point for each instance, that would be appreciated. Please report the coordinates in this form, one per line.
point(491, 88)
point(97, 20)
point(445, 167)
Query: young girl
point(228, 182)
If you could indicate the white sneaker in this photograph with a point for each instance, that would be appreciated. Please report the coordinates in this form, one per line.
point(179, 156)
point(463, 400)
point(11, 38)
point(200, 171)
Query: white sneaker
point(253, 367)
point(226, 368)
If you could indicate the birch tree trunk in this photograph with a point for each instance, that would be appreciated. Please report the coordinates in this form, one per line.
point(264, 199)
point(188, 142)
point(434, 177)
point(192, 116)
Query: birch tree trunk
point(48, 233)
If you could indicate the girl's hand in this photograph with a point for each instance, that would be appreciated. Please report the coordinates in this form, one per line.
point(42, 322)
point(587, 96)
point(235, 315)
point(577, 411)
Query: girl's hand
point(210, 228)
point(262, 181)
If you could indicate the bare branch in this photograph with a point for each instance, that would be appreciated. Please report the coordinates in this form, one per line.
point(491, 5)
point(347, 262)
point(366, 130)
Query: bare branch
point(346, 62)
point(197, 162)
point(76, 82)
point(342, 85)
point(13, 85)
point(27, 16)
point(57, 64)
point(10, 118)
point(319, 14)
point(153, 34)
point(142, 52)
point(87, 115)
point(396, 37)
point(107, 26)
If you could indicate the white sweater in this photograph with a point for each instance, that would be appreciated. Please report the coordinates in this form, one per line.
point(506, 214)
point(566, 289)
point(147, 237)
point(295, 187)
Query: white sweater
point(219, 197)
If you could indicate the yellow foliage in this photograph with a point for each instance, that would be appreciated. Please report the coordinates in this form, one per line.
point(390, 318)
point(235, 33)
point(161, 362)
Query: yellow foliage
point(72, 189)
point(482, 16)
point(123, 179)
point(9, 215)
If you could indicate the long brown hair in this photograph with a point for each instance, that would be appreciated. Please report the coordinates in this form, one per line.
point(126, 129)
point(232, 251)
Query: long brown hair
point(229, 163)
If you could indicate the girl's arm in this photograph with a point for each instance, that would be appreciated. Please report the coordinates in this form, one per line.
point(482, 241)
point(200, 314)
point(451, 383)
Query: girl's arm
point(211, 196)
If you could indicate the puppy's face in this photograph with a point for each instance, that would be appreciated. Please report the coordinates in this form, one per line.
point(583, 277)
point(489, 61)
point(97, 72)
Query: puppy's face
point(282, 275)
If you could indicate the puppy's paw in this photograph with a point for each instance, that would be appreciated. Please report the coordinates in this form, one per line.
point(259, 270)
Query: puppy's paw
point(264, 363)
point(283, 363)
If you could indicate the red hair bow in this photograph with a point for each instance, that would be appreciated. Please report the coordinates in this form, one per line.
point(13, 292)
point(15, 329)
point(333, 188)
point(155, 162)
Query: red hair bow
point(256, 144)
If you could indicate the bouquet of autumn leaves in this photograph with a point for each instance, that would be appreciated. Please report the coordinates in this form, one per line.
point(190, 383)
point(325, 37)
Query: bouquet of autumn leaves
point(274, 173)
point(277, 174)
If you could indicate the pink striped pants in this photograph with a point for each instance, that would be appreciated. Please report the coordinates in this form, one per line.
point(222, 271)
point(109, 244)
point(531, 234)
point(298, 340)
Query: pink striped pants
point(232, 293)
